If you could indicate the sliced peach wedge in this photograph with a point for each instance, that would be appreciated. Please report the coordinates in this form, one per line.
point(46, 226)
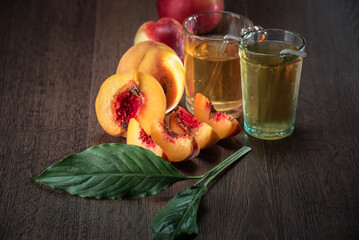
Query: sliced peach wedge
point(129, 95)
point(183, 123)
point(225, 125)
point(177, 148)
point(136, 135)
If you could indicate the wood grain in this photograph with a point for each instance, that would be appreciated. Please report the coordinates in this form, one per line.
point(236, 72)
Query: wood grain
point(54, 56)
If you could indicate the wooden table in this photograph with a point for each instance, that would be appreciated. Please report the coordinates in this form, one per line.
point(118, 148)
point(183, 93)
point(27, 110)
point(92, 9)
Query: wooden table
point(55, 54)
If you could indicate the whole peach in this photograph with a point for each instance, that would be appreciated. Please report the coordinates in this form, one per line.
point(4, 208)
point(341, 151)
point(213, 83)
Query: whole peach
point(160, 61)
point(166, 30)
point(181, 9)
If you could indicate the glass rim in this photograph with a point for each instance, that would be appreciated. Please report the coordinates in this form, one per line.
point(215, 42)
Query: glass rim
point(209, 12)
point(301, 48)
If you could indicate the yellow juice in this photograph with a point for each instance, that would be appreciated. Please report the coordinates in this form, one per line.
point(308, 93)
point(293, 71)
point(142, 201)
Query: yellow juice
point(270, 90)
point(213, 70)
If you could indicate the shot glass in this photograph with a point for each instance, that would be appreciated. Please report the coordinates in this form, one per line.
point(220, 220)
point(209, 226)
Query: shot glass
point(211, 61)
point(271, 64)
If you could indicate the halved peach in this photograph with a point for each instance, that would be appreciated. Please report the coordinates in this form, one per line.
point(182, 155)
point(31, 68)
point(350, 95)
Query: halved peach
point(162, 63)
point(177, 148)
point(225, 125)
point(129, 95)
point(137, 136)
point(182, 122)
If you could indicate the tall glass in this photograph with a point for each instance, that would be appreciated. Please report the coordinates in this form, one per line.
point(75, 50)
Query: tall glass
point(270, 81)
point(212, 62)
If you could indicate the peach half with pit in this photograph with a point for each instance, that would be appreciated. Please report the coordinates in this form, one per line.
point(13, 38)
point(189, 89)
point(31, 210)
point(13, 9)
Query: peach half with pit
point(183, 123)
point(136, 135)
point(225, 125)
point(162, 63)
point(129, 95)
point(177, 148)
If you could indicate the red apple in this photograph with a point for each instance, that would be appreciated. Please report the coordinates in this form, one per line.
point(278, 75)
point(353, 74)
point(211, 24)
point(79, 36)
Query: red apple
point(166, 30)
point(181, 9)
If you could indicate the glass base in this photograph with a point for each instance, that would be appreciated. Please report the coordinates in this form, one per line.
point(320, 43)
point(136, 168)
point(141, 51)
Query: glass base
point(268, 135)
point(189, 106)
point(235, 112)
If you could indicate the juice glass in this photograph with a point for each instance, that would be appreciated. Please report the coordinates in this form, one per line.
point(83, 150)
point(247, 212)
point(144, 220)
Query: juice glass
point(212, 62)
point(270, 81)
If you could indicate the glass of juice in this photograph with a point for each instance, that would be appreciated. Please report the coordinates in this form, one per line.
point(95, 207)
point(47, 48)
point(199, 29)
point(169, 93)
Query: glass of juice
point(212, 62)
point(271, 63)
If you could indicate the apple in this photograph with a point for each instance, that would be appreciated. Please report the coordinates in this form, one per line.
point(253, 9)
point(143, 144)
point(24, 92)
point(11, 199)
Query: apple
point(166, 30)
point(182, 9)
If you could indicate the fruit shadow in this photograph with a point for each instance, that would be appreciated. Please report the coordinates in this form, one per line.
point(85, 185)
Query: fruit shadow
point(232, 143)
point(211, 155)
point(186, 167)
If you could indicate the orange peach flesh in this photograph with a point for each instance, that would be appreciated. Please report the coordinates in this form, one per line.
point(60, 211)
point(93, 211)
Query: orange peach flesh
point(113, 102)
point(182, 122)
point(225, 125)
point(162, 63)
point(177, 148)
point(137, 136)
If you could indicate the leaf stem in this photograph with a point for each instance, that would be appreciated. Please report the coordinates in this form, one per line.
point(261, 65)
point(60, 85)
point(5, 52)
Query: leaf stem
point(211, 174)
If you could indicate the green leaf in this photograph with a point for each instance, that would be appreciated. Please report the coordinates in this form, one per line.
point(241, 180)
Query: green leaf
point(113, 171)
point(179, 216)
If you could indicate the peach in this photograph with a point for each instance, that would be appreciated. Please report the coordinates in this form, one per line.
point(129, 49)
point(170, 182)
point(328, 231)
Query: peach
point(129, 95)
point(181, 9)
point(166, 30)
point(162, 63)
point(177, 148)
point(137, 136)
point(182, 122)
point(225, 125)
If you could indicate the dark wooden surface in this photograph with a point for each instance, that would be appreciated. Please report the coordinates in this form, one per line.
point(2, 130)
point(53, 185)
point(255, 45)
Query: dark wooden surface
point(54, 55)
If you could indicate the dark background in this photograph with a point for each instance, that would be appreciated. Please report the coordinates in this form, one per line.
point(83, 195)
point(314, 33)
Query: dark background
point(54, 56)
